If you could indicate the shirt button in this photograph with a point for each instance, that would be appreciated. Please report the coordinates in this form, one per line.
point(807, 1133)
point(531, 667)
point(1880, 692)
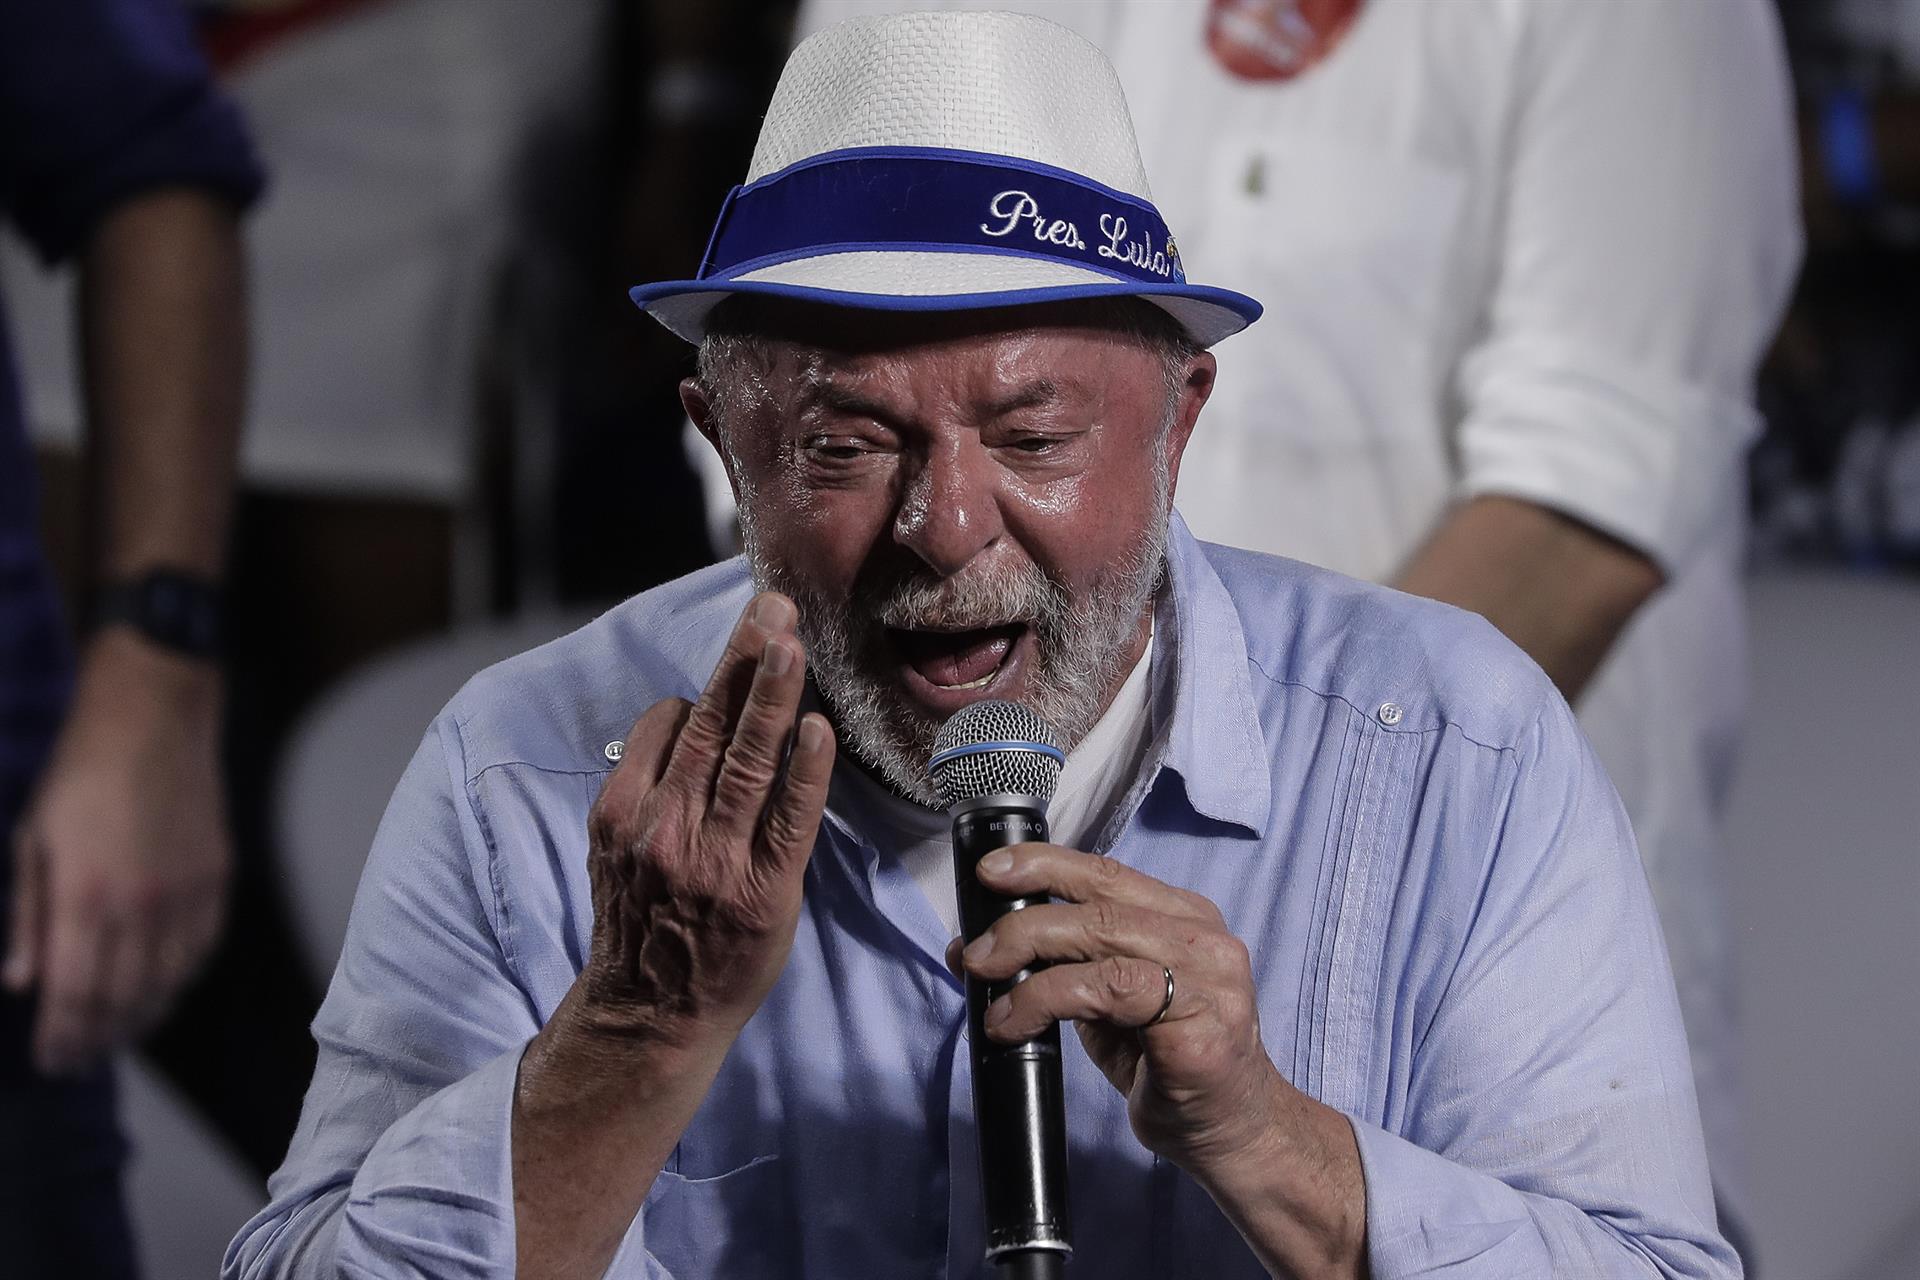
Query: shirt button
point(614, 750)
point(1389, 714)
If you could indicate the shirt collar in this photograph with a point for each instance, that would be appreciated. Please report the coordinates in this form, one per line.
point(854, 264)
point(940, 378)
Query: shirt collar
point(1214, 743)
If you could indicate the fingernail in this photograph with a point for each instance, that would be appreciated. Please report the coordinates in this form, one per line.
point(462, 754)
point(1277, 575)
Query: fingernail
point(770, 612)
point(997, 1011)
point(776, 657)
point(980, 948)
point(813, 734)
point(997, 863)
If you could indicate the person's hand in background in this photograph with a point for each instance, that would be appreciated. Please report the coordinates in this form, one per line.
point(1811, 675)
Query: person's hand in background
point(122, 857)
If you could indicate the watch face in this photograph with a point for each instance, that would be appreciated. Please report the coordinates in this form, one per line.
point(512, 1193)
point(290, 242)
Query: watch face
point(1276, 39)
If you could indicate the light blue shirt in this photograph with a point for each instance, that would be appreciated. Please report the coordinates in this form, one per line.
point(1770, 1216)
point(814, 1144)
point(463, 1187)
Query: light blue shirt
point(1451, 937)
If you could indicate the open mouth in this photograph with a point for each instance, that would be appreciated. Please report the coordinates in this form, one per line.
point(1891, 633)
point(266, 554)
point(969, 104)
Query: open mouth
point(957, 661)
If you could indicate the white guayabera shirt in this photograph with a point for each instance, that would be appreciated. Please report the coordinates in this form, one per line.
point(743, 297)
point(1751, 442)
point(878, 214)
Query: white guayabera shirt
point(1521, 247)
point(1450, 936)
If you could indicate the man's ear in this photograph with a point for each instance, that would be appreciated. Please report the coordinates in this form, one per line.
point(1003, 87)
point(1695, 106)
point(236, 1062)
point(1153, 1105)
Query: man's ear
point(1194, 391)
point(698, 402)
point(699, 406)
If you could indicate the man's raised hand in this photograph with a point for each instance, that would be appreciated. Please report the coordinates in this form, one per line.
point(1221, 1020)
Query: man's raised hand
point(699, 841)
point(697, 850)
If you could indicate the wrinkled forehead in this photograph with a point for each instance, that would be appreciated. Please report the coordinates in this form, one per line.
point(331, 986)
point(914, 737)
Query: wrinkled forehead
point(1057, 351)
point(974, 365)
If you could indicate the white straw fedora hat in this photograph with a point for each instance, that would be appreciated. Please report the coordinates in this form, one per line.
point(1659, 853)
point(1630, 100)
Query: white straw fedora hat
point(945, 162)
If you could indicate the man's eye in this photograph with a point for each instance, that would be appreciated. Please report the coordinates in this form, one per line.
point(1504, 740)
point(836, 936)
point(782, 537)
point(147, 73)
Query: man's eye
point(838, 448)
point(1036, 444)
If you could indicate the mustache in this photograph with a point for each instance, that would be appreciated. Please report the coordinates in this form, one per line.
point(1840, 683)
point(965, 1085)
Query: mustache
point(920, 602)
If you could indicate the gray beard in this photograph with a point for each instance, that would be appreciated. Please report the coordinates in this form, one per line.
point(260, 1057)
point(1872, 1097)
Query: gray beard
point(1081, 650)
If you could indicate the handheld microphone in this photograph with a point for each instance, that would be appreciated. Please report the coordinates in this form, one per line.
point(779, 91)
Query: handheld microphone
point(995, 765)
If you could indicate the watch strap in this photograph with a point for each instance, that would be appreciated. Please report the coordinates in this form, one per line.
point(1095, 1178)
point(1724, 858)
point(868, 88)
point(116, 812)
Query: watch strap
point(177, 610)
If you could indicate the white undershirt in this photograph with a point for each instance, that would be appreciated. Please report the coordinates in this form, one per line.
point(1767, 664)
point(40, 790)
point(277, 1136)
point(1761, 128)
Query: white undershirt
point(1097, 773)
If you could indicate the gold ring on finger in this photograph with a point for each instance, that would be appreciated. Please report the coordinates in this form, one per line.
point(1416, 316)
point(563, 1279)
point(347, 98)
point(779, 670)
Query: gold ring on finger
point(1167, 1002)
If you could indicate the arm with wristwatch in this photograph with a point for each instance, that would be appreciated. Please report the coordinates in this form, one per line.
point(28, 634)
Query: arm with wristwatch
point(121, 860)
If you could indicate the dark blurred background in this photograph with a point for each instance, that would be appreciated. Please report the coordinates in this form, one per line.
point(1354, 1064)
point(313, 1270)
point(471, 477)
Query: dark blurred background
point(464, 440)
point(1837, 477)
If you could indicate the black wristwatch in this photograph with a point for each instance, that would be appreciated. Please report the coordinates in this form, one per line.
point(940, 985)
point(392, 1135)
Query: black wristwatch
point(174, 609)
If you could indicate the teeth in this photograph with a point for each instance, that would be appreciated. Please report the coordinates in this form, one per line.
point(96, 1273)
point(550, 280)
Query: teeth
point(982, 682)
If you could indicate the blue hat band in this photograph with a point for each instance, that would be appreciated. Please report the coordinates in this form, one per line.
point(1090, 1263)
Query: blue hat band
point(919, 199)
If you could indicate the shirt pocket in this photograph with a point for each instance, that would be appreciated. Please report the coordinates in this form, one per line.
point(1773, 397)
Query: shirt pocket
point(738, 1224)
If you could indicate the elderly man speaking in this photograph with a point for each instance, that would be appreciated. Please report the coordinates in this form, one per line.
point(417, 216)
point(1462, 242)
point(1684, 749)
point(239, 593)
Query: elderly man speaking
point(1363, 966)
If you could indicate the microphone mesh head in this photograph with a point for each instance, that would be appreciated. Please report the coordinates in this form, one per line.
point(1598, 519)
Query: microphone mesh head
point(1013, 751)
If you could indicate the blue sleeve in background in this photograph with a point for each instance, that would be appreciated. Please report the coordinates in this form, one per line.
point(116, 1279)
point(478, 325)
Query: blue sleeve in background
point(100, 100)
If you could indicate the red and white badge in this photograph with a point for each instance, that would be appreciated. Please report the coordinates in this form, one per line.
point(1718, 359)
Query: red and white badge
point(1276, 39)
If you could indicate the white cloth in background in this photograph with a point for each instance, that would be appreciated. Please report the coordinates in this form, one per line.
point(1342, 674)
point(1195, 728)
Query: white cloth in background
point(1096, 776)
point(391, 136)
point(1525, 247)
point(1887, 28)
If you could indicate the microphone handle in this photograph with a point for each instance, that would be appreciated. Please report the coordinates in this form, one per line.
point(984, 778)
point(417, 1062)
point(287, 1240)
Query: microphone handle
point(1019, 1102)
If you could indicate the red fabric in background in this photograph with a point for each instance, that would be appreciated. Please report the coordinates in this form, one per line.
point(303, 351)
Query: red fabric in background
point(232, 34)
point(1276, 39)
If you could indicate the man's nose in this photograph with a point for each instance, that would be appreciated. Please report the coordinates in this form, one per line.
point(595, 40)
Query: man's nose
point(950, 511)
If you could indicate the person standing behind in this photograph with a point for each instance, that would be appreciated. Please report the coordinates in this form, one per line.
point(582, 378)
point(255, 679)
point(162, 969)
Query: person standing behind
point(1520, 260)
point(114, 148)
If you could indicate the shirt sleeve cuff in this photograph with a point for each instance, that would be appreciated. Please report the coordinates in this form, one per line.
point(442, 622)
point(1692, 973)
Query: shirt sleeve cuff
point(1643, 456)
point(196, 142)
point(1427, 1215)
point(434, 1197)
